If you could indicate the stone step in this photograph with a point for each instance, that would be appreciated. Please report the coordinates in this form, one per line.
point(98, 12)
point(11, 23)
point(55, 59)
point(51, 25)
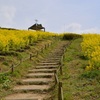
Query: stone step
point(56, 55)
point(54, 58)
point(57, 50)
point(60, 50)
point(47, 63)
point(42, 75)
point(51, 61)
point(26, 96)
point(47, 67)
point(32, 88)
point(42, 70)
point(37, 81)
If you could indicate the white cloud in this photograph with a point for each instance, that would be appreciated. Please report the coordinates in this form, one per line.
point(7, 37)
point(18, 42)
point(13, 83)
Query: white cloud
point(77, 28)
point(73, 27)
point(92, 30)
point(7, 14)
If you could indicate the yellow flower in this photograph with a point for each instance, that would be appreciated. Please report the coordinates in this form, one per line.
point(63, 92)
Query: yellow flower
point(91, 49)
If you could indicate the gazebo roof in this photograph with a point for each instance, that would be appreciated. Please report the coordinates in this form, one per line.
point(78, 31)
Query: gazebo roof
point(36, 27)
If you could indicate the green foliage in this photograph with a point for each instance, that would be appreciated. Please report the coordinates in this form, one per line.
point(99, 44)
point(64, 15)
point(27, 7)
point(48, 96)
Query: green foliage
point(19, 56)
point(16, 74)
point(68, 59)
point(6, 84)
point(5, 81)
point(3, 77)
point(5, 63)
point(91, 74)
point(71, 36)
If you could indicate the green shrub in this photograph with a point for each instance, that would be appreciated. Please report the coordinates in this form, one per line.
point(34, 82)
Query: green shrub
point(70, 36)
point(5, 81)
point(3, 78)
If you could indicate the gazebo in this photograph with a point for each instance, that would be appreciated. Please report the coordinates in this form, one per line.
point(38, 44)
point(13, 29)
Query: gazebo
point(37, 27)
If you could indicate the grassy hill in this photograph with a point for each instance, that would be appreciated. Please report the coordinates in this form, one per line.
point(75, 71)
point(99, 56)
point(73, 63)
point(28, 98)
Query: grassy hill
point(78, 83)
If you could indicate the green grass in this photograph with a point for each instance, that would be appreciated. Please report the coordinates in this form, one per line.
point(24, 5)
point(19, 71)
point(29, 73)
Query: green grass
point(77, 83)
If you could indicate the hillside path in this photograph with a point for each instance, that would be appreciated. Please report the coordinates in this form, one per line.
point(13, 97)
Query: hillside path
point(39, 81)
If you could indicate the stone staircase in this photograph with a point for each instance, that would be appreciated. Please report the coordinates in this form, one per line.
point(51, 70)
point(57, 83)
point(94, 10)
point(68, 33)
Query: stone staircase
point(39, 81)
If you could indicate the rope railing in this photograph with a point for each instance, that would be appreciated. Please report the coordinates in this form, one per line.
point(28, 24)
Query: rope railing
point(57, 82)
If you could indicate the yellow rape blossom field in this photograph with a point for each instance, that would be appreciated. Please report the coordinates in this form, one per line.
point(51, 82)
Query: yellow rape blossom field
point(91, 50)
point(17, 39)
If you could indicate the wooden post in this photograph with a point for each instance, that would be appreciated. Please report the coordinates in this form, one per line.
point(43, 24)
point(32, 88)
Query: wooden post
point(61, 70)
point(12, 68)
point(63, 56)
point(45, 46)
point(55, 75)
point(30, 56)
point(62, 96)
point(60, 91)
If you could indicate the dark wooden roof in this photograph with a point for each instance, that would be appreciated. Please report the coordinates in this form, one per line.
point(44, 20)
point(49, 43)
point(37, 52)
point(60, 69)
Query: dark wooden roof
point(37, 27)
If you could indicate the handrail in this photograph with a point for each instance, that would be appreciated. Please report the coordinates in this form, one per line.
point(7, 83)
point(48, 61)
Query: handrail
point(60, 88)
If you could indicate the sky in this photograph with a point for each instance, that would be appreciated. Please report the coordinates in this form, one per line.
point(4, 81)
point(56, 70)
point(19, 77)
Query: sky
point(79, 16)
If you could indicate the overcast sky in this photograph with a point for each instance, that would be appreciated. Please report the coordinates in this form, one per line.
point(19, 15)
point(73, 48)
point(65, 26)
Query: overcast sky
point(55, 15)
